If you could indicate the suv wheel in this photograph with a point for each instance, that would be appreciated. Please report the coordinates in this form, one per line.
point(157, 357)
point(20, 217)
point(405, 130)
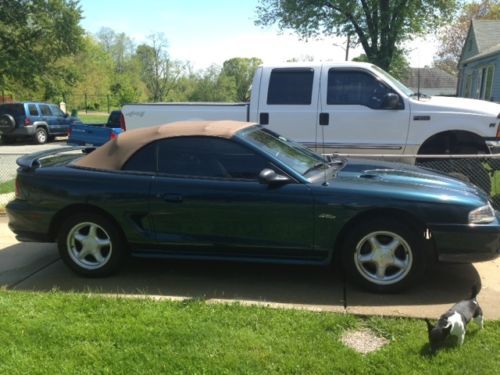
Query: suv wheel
point(7, 123)
point(41, 136)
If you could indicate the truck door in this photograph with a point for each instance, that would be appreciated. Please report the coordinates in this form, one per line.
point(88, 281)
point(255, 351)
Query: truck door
point(288, 102)
point(355, 117)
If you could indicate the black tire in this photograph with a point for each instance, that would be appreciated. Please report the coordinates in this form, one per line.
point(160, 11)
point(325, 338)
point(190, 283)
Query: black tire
point(7, 123)
point(41, 136)
point(7, 140)
point(104, 251)
point(369, 261)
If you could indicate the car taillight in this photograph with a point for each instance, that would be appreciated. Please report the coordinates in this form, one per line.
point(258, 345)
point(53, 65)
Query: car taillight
point(498, 131)
point(123, 126)
point(113, 136)
point(27, 121)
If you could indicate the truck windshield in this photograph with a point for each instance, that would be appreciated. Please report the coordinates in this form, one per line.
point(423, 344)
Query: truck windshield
point(294, 155)
point(407, 91)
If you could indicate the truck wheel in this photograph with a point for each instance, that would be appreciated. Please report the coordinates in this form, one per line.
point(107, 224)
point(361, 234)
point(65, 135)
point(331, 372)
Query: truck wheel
point(41, 136)
point(384, 255)
point(91, 245)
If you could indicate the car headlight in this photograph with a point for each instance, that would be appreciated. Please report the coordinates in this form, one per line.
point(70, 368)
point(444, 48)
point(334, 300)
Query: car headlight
point(482, 215)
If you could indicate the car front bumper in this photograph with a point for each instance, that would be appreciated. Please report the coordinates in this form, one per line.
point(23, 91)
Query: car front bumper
point(464, 243)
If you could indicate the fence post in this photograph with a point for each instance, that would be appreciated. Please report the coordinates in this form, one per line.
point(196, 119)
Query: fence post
point(86, 106)
point(107, 98)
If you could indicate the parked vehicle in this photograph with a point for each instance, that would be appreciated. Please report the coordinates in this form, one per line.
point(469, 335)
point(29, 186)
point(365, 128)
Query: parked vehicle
point(38, 121)
point(96, 134)
point(351, 108)
point(236, 191)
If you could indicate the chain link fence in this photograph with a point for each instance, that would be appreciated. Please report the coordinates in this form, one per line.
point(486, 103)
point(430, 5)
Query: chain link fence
point(481, 170)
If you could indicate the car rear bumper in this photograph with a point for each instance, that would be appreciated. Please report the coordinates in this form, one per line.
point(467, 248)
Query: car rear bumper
point(23, 131)
point(27, 223)
point(466, 243)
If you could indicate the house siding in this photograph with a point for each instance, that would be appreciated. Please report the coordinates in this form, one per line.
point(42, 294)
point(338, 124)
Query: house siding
point(475, 69)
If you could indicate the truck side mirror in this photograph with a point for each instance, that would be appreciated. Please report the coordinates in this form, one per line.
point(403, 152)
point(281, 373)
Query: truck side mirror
point(391, 101)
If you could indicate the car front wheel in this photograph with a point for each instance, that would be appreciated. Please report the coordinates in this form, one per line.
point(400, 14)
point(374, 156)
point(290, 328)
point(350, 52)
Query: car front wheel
point(91, 245)
point(384, 255)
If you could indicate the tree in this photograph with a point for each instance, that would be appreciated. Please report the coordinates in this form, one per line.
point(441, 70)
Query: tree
point(242, 71)
point(118, 45)
point(452, 37)
point(34, 34)
point(212, 86)
point(158, 71)
point(380, 26)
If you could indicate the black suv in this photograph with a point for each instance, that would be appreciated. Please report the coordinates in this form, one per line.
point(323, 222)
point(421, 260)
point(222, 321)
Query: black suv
point(39, 121)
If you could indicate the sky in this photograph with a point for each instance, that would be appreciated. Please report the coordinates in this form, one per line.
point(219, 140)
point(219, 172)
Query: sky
point(210, 32)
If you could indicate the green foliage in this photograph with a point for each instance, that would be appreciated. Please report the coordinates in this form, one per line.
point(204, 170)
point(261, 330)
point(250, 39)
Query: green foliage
point(242, 71)
point(57, 333)
point(212, 86)
point(380, 26)
point(399, 68)
point(34, 34)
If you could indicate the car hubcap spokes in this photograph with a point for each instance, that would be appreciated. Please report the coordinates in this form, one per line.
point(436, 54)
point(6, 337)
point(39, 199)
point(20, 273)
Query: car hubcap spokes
point(383, 258)
point(89, 245)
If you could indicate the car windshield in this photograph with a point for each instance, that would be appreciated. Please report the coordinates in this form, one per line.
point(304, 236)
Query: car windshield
point(294, 155)
point(407, 91)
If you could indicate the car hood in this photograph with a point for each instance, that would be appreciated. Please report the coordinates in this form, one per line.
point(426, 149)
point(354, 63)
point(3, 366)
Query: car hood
point(400, 179)
point(458, 105)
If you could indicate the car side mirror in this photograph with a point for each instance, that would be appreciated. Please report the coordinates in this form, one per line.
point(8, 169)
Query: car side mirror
point(391, 101)
point(269, 177)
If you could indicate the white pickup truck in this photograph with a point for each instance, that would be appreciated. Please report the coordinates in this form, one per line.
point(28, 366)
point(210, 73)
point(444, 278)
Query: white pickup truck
point(350, 108)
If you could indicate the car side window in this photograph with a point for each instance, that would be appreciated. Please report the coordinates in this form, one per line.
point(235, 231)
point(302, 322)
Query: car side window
point(33, 110)
point(346, 87)
point(45, 110)
point(208, 157)
point(290, 86)
point(143, 160)
point(56, 111)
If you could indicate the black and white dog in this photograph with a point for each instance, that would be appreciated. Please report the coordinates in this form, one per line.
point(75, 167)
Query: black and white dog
point(454, 321)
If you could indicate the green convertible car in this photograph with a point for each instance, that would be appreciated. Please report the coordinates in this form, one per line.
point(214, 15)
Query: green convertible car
point(237, 191)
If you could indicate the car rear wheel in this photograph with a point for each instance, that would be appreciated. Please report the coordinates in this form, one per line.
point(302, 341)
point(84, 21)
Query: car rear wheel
point(7, 123)
point(41, 136)
point(384, 255)
point(91, 245)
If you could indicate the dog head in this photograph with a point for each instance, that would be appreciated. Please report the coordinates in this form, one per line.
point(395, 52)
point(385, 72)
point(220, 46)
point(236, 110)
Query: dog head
point(438, 333)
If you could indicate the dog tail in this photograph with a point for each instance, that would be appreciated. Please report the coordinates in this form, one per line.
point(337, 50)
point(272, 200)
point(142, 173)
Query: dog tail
point(474, 292)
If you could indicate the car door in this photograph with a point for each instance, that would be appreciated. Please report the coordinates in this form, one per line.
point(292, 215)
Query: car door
point(356, 121)
point(61, 122)
point(48, 117)
point(289, 102)
point(207, 200)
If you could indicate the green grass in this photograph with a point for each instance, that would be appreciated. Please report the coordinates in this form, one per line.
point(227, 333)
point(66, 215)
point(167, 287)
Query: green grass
point(93, 118)
point(69, 333)
point(8, 186)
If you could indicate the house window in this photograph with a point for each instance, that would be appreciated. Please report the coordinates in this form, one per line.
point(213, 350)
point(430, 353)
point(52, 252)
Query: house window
point(468, 86)
point(488, 82)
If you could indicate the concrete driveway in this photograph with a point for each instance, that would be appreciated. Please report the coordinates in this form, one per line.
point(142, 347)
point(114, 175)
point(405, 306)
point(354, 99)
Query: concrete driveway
point(37, 267)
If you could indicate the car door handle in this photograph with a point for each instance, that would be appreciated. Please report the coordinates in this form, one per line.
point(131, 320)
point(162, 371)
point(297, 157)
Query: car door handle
point(176, 198)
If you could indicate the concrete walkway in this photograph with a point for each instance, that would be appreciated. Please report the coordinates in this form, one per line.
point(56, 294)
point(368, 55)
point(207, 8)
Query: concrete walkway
point(37, 267)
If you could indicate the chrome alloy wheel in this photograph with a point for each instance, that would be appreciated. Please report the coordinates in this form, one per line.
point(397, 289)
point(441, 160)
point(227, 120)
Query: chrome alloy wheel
point(89, 245)
point(383, 257)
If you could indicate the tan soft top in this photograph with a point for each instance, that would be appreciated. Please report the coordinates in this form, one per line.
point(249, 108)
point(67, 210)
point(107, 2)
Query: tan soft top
point(113, 154)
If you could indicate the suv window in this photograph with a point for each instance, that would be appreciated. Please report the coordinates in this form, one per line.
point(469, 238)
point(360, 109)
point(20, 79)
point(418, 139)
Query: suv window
point(56, 111)
point(44, 108)
point(12, 109)
point(33, 110)
point(290, 86)
point(355, 88)
point(208, 157)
